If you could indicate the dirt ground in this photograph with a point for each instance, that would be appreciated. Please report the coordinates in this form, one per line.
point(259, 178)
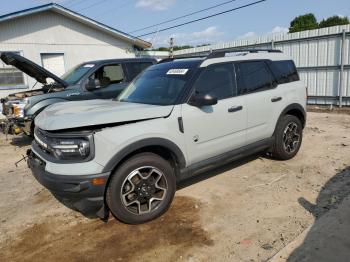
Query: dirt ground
point(246, 211)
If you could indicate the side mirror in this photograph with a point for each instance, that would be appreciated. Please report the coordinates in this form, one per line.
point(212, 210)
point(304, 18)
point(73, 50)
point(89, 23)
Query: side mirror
point(92, 85)
point(200, 100)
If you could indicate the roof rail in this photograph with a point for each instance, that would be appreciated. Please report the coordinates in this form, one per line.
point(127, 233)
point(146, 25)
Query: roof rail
point(169, 59)
point(217, 54)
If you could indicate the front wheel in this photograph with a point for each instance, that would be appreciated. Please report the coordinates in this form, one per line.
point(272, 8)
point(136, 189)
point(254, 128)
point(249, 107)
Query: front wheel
point(288, 137)
point(141, 189)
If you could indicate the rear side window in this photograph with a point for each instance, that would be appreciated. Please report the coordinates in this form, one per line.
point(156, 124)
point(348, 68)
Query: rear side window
point(285, 71)
point(218, 81)
point(253, 76)
point(136, 68)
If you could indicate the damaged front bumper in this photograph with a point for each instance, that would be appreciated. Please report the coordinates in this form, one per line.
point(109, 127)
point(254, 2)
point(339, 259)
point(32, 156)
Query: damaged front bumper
point(76, 192)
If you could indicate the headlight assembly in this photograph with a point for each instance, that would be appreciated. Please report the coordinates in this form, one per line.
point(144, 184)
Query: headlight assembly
point(66, 147)
point(19, 108)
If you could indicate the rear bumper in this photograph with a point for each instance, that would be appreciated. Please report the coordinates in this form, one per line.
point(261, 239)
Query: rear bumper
point(75, 192)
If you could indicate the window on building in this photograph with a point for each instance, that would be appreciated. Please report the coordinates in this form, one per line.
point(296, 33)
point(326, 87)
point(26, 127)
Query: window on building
point(10, 76)
point(218, 81)
point(253, 76)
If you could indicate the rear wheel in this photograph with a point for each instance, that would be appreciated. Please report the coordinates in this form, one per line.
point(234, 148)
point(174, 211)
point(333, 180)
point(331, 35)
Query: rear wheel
point(141, 189)
point(288, 137)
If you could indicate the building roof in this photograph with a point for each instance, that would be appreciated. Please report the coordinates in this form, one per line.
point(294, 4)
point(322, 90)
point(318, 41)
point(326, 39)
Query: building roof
point(78, 17)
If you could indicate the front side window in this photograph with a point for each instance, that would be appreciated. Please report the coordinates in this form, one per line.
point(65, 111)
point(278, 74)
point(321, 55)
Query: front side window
point(253, 76)
point(109, 74)
point(157, 87)
point(217, 81)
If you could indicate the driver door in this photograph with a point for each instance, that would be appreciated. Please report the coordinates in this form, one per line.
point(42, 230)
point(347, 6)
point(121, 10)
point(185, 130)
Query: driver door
point(217, 129)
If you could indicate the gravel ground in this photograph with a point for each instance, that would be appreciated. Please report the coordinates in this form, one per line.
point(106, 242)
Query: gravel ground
point(246, 211)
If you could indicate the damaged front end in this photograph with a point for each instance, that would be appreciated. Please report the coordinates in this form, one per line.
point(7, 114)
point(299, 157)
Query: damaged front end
point(15, 121)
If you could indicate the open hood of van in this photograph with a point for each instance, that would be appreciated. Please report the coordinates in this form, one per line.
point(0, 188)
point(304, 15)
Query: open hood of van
point(30, 68)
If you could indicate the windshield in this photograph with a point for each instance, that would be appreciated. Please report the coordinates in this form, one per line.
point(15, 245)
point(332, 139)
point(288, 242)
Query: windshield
point(156, 87)
point(76, 73)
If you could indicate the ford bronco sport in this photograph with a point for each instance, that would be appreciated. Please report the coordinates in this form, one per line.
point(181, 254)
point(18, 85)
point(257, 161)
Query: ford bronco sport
point(177, 119)
point(103, 79)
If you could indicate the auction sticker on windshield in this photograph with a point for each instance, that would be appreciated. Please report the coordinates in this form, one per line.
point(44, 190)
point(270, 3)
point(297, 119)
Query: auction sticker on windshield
point(89, 65)
point(177, 72)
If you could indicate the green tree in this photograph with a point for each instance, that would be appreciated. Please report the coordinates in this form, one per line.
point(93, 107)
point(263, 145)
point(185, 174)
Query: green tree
point(333, 21)
point(303, 22)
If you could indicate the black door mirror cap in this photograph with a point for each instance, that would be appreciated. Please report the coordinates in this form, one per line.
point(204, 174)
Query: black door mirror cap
point(200, 100)
point(93, 84)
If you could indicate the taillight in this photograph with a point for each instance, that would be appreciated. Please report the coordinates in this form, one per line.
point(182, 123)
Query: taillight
point(306, 92)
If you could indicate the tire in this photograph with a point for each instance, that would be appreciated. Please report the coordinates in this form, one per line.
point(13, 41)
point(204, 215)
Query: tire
point(141, 189)
point(288, 137)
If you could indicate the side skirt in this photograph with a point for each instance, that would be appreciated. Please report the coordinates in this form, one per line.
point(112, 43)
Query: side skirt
point(225, 158)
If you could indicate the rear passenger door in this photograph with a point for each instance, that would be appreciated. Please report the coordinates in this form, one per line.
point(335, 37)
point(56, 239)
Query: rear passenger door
point(263, 98)
point(217, 129)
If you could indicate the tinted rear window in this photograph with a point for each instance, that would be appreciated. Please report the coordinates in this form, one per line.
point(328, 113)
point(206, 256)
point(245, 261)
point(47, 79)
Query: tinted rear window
point(285, 71)
point(253, 77)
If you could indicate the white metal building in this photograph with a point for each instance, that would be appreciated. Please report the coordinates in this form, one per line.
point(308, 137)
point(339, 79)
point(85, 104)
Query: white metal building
point(322, 57)
point(58, 39)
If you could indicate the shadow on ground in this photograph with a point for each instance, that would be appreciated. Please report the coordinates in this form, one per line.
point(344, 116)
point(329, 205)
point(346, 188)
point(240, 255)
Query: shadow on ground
point(329, 237)
point(20, 141)
point(165, 239)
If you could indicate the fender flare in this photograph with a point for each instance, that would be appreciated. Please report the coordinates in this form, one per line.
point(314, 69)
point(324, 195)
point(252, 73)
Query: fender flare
point(165, 143)
point(297, 107)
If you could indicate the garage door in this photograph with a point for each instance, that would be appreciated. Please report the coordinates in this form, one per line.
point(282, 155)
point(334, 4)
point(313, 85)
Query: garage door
point(54, 63)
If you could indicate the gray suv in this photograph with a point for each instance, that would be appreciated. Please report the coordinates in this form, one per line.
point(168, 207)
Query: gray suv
point(175, 120)
point(102, 79)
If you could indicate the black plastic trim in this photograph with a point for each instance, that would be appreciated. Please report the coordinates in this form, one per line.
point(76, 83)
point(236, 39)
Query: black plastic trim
point(225, 158)
point(294, 106)
point(172, 147)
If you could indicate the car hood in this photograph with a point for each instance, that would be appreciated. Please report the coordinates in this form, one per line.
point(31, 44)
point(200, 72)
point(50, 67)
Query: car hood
point(30, 68)
point(69, 115)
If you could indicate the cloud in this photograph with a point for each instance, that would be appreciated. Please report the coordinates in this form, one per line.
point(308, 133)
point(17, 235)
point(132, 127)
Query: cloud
point(157, 5)
point(206, 36)
point(276, 30)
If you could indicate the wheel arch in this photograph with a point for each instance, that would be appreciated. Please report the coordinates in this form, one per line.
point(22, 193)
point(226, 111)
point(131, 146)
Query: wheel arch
point(160, 146)
point(296, 110)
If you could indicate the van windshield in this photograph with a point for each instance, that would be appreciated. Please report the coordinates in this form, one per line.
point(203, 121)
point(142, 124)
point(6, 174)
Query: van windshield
point(74, 75)
point(157, 87)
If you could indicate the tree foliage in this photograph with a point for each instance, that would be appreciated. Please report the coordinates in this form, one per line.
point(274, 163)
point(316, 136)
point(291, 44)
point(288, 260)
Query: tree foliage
point(333, 21)
point(303, 22)
point(309, 22)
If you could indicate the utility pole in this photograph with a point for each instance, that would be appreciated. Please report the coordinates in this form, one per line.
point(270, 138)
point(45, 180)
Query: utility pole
point(171, 47)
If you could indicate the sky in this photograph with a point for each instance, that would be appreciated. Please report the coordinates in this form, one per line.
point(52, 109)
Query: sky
point(270, 17)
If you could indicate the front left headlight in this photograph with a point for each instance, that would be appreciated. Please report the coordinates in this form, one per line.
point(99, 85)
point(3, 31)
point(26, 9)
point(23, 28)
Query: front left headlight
point(68, 147)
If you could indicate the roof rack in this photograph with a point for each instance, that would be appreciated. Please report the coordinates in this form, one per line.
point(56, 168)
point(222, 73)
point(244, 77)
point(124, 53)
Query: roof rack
point(217, 54)
point(220, 53)
point(169, 59)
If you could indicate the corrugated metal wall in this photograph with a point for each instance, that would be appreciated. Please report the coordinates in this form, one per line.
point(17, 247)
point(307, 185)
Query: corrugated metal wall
point(317, 54)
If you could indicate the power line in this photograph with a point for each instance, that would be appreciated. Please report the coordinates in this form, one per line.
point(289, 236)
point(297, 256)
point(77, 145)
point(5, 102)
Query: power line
point(203, 18)
point(183, 16)
point(92, 5)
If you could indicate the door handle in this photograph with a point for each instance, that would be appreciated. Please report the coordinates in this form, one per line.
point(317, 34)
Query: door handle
point(235, 109)
point(276, 99)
